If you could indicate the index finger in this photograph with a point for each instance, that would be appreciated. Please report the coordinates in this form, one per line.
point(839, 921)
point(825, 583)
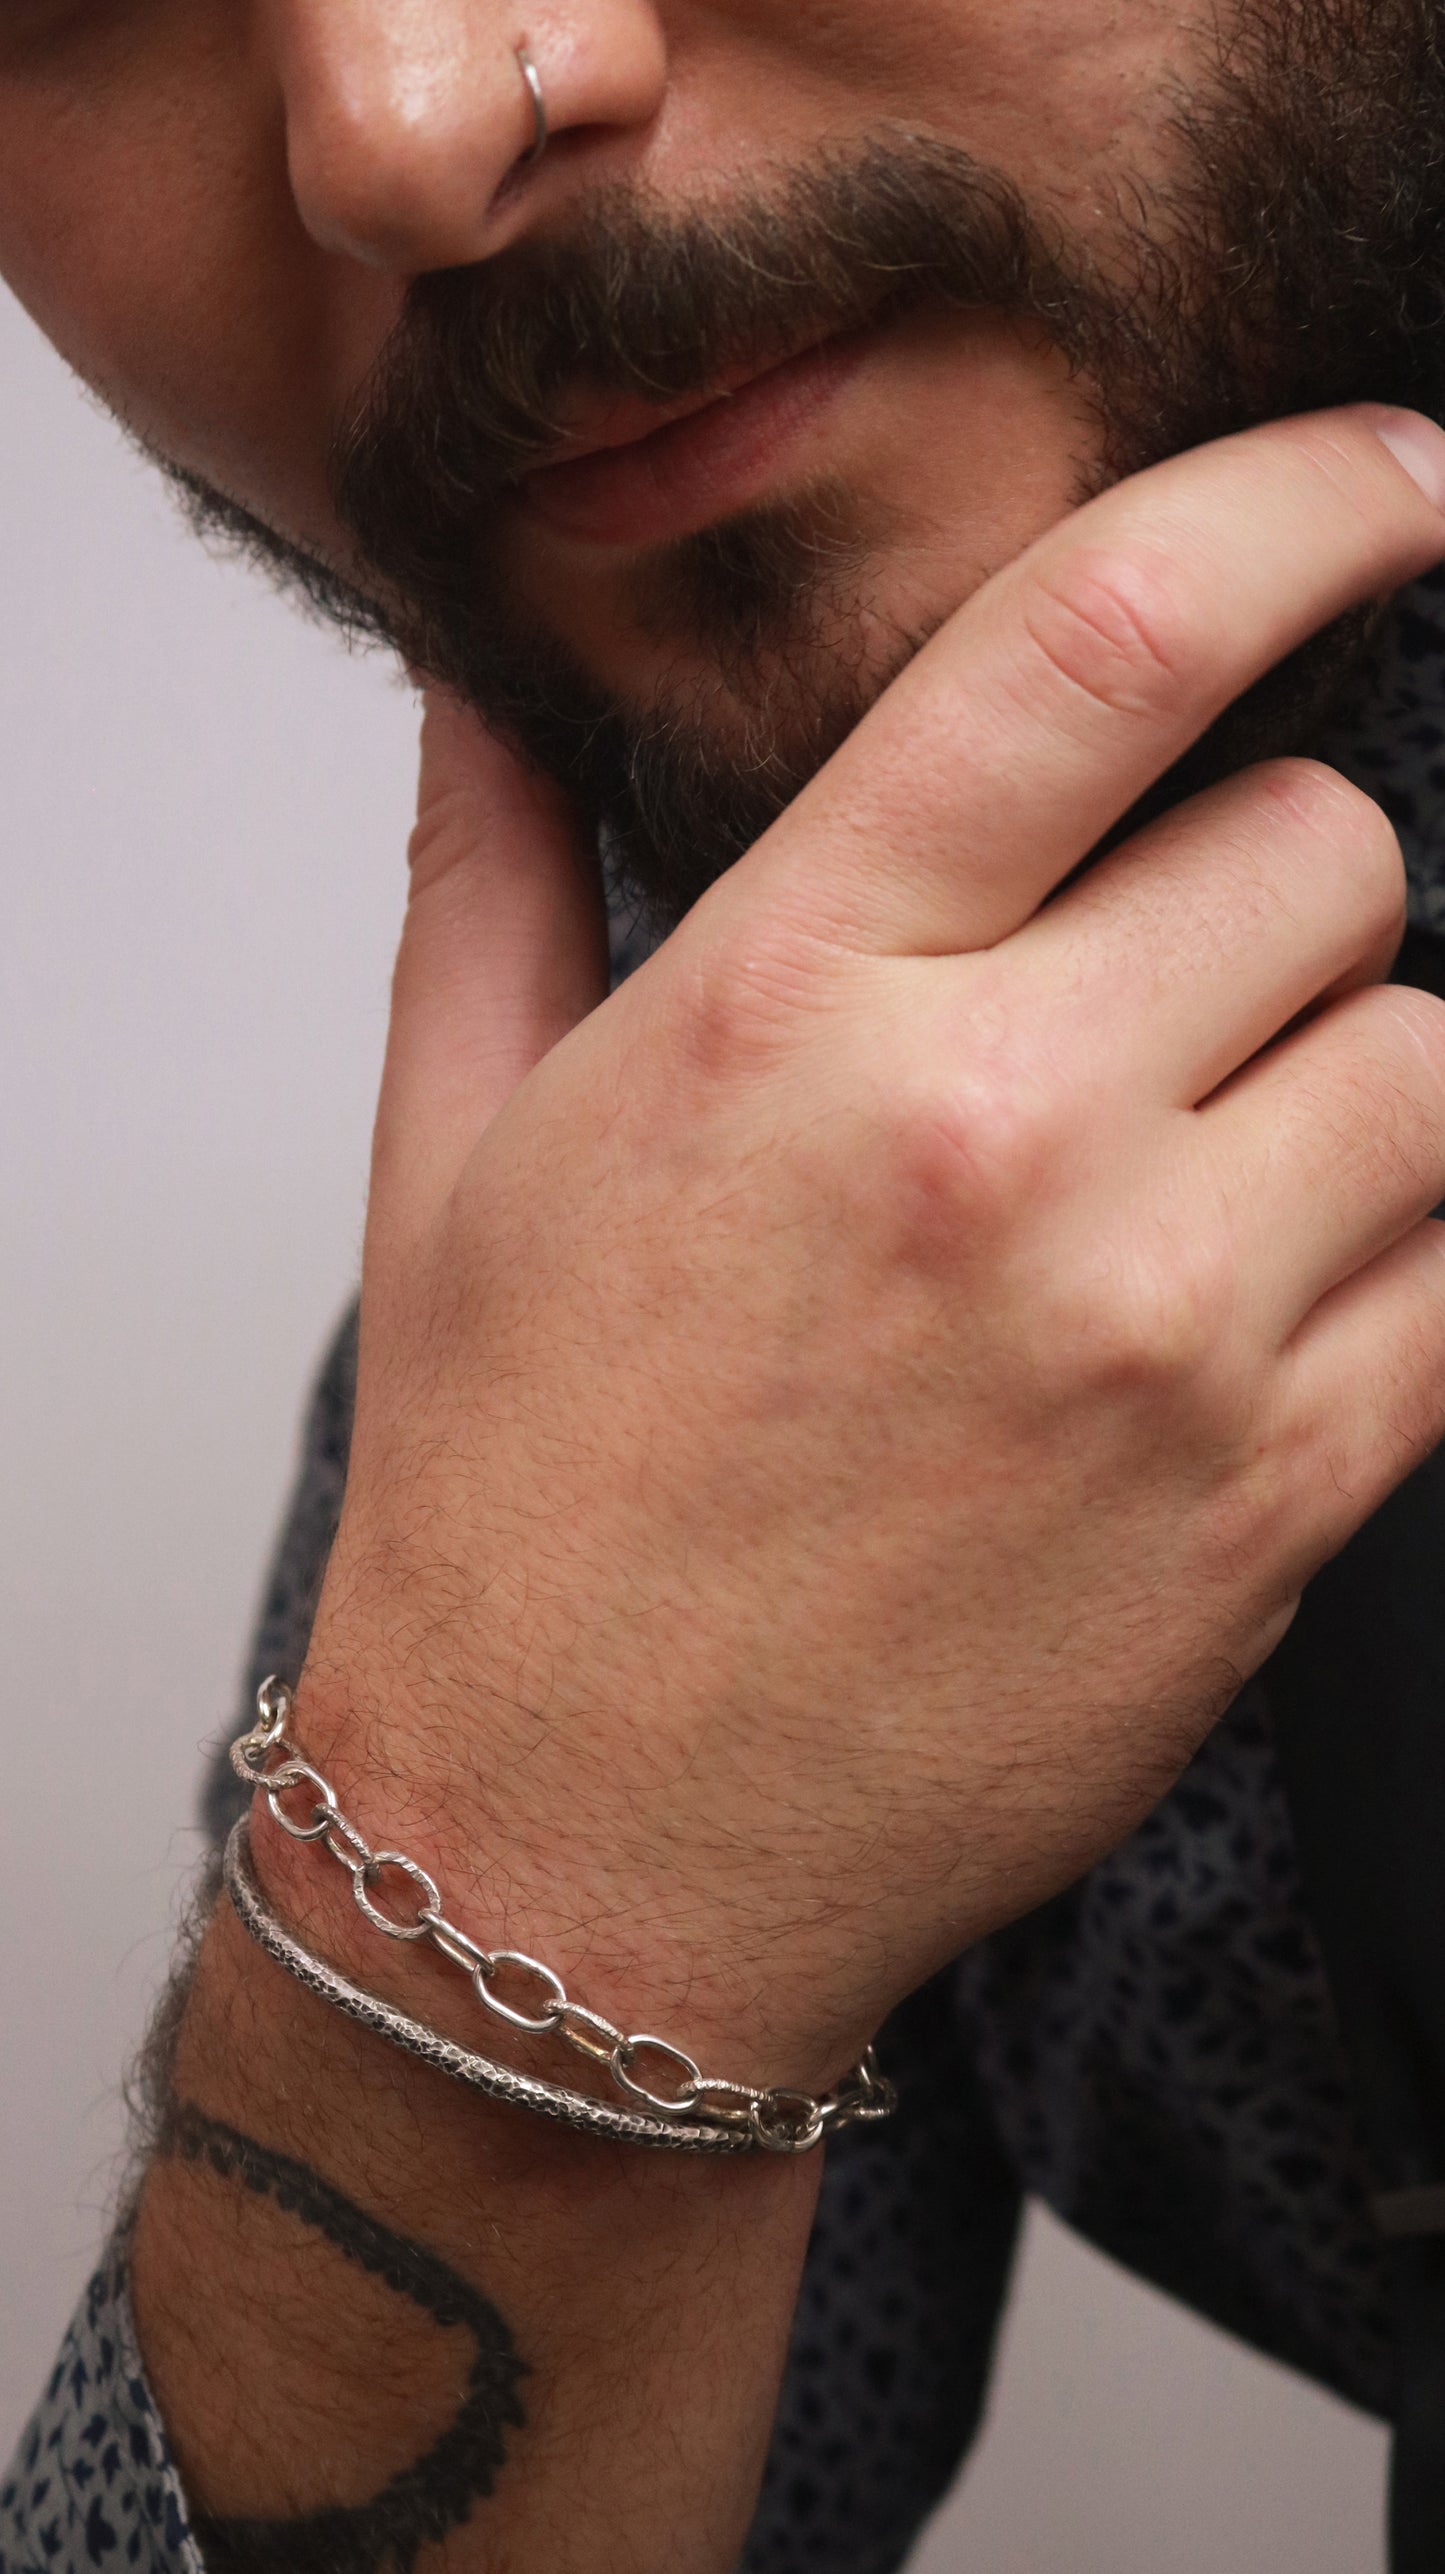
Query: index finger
point(1067, 687)
point(503, 951)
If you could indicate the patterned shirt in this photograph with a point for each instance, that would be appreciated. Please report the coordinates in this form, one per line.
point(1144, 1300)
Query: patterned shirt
point(1155, 2055)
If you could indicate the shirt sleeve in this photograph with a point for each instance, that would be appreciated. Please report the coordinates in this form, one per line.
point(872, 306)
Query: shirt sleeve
point(93, 2483)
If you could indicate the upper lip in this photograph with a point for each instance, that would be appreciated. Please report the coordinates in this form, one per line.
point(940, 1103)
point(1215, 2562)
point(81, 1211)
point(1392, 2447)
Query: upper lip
point(625, 420)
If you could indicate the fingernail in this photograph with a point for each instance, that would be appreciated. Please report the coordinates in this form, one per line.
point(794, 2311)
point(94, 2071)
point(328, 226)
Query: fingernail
point(1419, 446)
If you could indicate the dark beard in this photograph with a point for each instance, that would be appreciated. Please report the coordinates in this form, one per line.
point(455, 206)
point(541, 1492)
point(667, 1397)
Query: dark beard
point(1298, 261)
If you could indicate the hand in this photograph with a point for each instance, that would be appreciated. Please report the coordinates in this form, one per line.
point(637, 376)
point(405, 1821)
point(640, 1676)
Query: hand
point(830, 1447)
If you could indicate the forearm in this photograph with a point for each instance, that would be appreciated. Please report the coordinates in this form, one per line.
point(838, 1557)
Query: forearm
point(361, 2289)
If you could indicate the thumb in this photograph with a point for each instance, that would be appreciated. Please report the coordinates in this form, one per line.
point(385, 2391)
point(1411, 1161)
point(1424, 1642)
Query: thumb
point(503, 950)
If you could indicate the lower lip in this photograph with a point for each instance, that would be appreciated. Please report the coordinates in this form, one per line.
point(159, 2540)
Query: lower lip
point(701, 468)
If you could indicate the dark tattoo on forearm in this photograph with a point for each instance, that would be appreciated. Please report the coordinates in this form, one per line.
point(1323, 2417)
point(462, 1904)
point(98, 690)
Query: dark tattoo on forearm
point(435, 2494)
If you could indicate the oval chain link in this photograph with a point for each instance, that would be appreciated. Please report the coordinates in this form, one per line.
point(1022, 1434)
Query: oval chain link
point(557, 1996)
point(625, 2057)
point(454, 1944)
point(780, 2121)
point(366, 1876)
point(299, 1773)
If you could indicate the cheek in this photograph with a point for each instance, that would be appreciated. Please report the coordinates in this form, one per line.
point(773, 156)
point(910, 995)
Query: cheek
point(999, 443)
point(151, 233)
point(1066, 96)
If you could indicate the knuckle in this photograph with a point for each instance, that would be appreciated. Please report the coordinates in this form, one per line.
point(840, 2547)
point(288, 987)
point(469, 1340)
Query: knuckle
point(965, 1158)
point(734, 999)
point(1154, 1326)
point(1112, 625)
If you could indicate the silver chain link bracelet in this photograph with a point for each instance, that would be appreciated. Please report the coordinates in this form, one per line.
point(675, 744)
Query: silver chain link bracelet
point(701, 2115)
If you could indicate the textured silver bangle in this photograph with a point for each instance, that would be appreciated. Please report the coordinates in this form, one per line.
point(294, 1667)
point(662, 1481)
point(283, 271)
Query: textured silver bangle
point(701, 2116)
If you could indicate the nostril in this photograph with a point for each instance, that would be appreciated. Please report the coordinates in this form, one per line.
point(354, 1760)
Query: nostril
point(399, 171)
point(405, 127)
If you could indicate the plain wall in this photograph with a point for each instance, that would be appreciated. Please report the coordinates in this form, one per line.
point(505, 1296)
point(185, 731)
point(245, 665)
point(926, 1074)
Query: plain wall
point(203, 809)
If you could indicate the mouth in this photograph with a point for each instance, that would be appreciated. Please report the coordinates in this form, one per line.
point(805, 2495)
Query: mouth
point(637, 474)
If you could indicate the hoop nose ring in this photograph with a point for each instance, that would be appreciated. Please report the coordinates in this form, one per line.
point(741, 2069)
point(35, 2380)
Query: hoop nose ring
point(542, 130)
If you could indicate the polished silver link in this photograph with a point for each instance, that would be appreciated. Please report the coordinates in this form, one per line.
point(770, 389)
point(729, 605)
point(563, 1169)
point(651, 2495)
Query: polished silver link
point(704, 2113)
point(557, 2004)
point(298, 1773)
point(625, 2057)
point(426, 1912)
point(455, 1945)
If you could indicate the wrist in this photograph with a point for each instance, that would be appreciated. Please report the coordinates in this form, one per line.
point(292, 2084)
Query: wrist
point(251, 2308)
point(626, 1941)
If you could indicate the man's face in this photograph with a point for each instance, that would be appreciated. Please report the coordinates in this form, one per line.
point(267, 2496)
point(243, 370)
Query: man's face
point(900, 282)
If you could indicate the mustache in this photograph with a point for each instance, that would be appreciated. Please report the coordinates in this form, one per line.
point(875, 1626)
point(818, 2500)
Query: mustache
point(643, 300)
point(658, 302)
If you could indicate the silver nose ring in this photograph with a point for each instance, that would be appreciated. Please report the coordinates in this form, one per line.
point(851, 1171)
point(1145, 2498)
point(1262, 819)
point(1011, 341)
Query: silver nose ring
point(533, 79)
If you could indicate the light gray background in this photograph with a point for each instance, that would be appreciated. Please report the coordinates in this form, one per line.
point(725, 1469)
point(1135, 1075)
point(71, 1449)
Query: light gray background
point(203, 807)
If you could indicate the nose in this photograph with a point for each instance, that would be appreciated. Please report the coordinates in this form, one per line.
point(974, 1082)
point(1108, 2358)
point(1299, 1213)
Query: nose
point(405, 117)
